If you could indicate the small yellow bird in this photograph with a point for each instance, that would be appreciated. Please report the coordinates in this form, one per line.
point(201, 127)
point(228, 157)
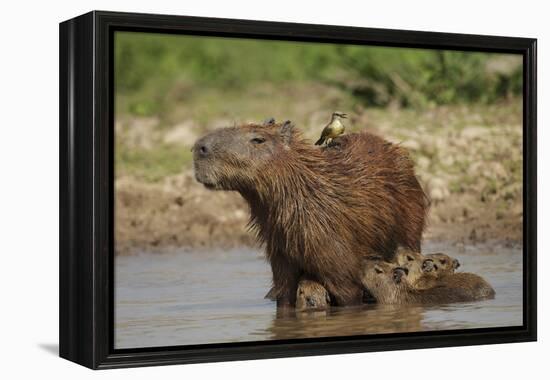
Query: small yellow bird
point(333, 129)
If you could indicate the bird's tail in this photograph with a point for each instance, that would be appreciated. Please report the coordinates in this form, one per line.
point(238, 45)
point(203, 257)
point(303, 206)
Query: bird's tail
point(320, 141)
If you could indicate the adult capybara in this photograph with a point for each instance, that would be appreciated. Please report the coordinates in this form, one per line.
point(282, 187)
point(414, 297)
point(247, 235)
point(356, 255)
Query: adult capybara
point(319, 211)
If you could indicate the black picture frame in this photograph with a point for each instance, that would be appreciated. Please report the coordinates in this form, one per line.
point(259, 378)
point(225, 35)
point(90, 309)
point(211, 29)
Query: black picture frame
point(87, 190)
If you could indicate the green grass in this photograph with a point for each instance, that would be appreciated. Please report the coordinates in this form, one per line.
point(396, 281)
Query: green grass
point(155, 72)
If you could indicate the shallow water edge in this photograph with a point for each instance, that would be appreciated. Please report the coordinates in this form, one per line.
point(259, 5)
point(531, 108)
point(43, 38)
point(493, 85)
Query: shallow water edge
point(201, 297)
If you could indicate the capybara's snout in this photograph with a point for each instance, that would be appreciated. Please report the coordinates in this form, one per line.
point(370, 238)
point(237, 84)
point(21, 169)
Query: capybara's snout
point(398, 274)
point(203, 162)
point(428, 265)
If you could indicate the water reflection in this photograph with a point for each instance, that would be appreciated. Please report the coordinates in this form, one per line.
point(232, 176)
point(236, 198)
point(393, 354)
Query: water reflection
point(368, 319)
point(212, 297)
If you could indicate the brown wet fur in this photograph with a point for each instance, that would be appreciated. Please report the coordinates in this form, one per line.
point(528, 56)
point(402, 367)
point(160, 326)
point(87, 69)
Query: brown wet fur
point(424, 271)
point(413, 261)
point(445, 264)
point(311, 295)
point(319, 211)
point(389, 284)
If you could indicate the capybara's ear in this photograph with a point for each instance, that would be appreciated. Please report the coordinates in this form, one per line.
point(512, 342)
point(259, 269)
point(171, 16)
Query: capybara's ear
point(269, 122)
point(456, 264)
point(286, 132)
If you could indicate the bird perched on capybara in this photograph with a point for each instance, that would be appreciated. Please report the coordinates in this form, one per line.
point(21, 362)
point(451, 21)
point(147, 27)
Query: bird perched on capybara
point(319, 211)
point(333, 129)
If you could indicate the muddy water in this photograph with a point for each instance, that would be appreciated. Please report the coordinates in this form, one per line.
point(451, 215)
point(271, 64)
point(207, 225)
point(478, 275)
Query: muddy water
point(213, 297)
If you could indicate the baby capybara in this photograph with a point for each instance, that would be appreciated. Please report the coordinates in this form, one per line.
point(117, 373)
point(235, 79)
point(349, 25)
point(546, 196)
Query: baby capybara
point(424, 271)
point(311, 295)
point(389, 284)
point(444, 263)
point(318, 211)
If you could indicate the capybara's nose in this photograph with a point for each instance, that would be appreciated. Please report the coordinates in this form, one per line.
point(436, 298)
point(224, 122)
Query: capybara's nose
point(398, 274)
point(201, 148)
point(310, 301)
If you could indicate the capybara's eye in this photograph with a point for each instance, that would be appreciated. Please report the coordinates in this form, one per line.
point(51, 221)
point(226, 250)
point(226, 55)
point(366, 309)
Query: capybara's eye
point(257, 140)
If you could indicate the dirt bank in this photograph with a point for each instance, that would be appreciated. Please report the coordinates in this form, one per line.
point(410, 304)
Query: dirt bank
point(178, 212)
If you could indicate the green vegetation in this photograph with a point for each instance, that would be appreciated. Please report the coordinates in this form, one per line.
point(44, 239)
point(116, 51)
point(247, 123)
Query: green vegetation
point(155, 72)
point(416, 77)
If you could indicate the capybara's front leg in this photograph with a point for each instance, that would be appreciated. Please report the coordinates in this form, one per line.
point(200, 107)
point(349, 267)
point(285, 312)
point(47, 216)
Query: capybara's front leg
point(285, 281)
point(343, 294)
